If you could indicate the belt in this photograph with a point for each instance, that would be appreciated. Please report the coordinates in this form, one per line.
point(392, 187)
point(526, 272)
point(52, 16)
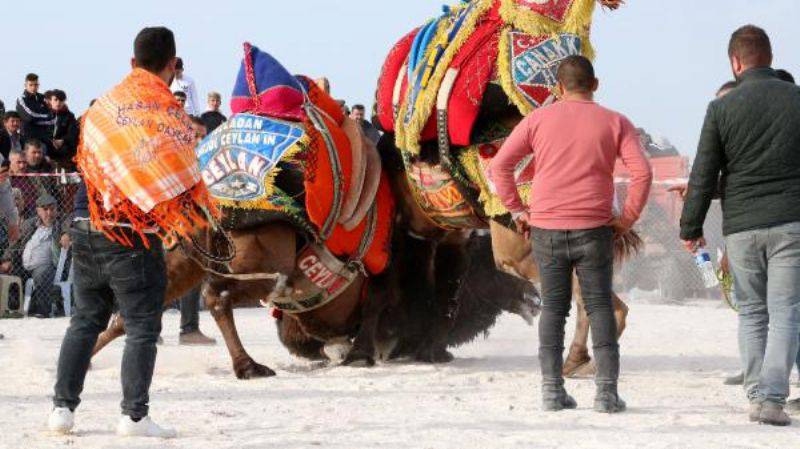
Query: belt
point(85, 225)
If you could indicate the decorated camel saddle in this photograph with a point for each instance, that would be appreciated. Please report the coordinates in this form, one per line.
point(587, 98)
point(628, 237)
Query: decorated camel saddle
point(289, 153)
point(452, 89)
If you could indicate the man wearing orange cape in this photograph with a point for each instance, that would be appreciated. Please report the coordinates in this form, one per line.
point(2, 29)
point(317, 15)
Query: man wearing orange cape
point(141, 185)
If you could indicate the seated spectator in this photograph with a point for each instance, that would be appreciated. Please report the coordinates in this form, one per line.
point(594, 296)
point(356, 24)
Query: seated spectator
point(42, 237)
point(64, 142)
point(35, 157)
point(181, 97)
point(212, 117)
point(32, 109)
point(10, 137)
point(357, 113)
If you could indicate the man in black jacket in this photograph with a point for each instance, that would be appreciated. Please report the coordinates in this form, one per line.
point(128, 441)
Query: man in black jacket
point(750, 137)
point(10, 138)
point(63, 142)
point(212, 118)
point(33, 110)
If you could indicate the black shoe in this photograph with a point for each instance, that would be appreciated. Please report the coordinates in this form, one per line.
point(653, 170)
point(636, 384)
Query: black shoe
point(557, 401)
point(608, 401)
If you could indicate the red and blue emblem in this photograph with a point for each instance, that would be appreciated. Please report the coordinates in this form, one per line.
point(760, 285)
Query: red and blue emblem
point(535, 60)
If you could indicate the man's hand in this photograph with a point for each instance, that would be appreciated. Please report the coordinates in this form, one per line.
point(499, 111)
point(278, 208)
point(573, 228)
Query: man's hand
point(13, 233)
point(65, 241)
point(522, 224)
point(618, 226)
point(680, 189)
point(693, 245)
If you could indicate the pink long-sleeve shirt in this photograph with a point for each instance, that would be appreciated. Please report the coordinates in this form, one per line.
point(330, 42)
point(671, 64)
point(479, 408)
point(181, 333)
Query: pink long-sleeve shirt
point(575, 145)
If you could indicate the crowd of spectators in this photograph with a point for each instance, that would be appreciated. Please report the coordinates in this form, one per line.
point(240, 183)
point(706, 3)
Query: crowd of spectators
point(38, 143)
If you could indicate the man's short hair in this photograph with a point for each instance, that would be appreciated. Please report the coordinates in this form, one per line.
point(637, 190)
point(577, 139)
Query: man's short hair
point(751, 45)
point(360, 107)
point(180, 93)
point(215, 95)
point(784, 75)
point(31, 77)
point(576, 74)
point(154, 48)
point(727, 86)
point(58, 93)
point(178, 63)
point(9, 115)
point(34, 143)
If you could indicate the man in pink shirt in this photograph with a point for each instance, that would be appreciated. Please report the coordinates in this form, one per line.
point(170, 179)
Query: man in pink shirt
point(575, 144)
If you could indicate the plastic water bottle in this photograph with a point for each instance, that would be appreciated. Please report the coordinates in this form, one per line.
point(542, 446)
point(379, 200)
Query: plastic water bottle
point(706, 267)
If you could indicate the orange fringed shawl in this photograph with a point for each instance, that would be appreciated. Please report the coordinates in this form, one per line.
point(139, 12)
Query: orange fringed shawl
point(137, 158)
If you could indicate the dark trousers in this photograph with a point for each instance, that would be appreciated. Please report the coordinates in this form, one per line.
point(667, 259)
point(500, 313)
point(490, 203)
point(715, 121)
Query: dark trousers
point(590, 254)
point(105, 272)
point(190, 311)
point(45, 295)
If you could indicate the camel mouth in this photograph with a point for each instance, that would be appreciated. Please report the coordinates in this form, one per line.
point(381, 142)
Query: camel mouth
point(529, 307)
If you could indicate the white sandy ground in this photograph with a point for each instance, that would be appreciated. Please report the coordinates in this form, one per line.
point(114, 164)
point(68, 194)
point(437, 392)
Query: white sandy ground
point(674, 359)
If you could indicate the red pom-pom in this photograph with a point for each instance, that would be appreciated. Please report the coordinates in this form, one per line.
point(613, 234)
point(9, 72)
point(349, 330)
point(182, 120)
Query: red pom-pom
point(276, 313)
point(487, 151)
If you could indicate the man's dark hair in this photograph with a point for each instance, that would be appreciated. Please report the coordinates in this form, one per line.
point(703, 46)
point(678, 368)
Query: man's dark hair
point(154, 48)
point(576, 74)
point(784, 75)
point(58, 93)
point(178, 63)
point(34, 143)
point(9, 115)
point(91, 103)
point(360, 107)
point(179, 93)
point(31, 77)
point(727, 86)
point(751, 45)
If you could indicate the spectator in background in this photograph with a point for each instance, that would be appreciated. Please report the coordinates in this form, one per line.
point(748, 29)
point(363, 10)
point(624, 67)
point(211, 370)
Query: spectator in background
point(343, 105)
point(35, 157)
point(9, 215)
point(357, 114)
point(190, 303)
point(185, 84)
point(64, 137)
point(40, 236)
point(180, 97)
point(33, 110)
point(10, 137)
point(29, 188)
point(212, 118)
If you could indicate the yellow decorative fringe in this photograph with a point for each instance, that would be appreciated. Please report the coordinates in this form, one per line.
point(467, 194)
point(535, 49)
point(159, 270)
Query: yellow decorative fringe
point(577, 19)
point(407, 136)
point(491, 203)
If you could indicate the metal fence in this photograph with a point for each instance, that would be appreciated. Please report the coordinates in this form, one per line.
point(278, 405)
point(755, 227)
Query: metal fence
point(664, 268)
point(35, 269)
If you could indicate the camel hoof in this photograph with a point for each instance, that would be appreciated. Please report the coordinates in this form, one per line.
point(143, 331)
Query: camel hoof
point(585, 370)
point(252, 370)
point(435, 356)
point(359, 359)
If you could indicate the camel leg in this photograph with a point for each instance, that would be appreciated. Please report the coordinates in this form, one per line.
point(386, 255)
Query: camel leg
point(115, 329)
point(222, 310)
point(578, 362)
point(620, 314)
point(363, 351)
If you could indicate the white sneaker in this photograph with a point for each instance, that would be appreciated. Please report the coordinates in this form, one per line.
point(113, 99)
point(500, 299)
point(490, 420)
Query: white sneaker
point(61, 420)
point(144, 428)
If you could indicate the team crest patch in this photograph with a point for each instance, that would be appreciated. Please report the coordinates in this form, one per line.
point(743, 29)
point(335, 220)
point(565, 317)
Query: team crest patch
point(535, 60)
point(552, 9)
point(238, 160)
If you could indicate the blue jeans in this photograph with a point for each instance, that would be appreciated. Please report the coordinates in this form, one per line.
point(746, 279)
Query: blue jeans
point(766, 271)
point(590, 254)
point(135, 278)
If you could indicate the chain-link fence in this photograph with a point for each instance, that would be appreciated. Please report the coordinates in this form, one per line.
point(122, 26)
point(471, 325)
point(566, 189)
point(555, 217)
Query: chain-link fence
point(664, 268)
point(35, 267)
